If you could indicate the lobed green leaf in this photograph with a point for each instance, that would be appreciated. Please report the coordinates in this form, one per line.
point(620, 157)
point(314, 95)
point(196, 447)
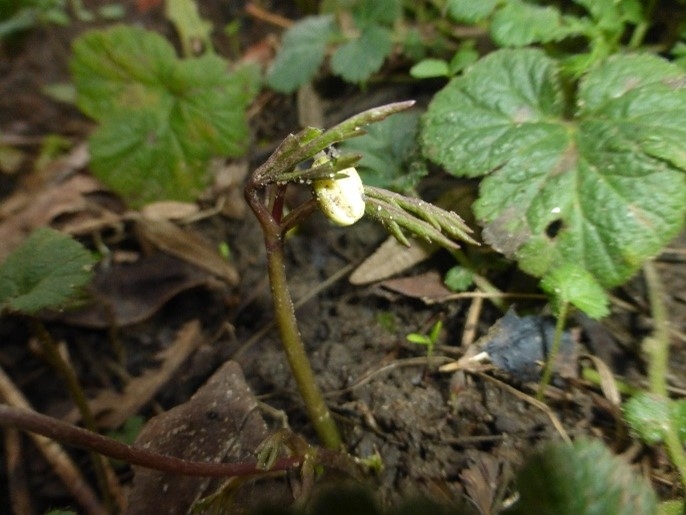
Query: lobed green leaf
point(648, 416)
point(46, 271)
point(378, 12)
point(604, 190)
point(162, 118)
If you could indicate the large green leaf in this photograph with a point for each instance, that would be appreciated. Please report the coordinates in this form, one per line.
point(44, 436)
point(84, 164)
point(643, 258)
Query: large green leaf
point(604, 190)
point(162, 118)
point(302, 52)
point(46, 271)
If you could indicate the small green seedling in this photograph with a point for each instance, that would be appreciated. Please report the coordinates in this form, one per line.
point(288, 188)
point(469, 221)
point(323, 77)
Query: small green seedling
point(428, 340)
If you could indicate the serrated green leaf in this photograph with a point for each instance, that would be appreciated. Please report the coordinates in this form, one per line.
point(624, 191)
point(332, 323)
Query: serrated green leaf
point(356, 60)
point(648, 416)
point(572, 284)
point(46, 271)
point(379, 11)
point(302, 52)
point(583, 478)
point(604, 190)
point(387, 149)
point(520, 24)
point(501, 106)
point(470, 11)
point(157, 113)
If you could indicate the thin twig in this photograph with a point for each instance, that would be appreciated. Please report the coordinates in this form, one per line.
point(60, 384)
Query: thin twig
point(259, 13)
point(59, 460)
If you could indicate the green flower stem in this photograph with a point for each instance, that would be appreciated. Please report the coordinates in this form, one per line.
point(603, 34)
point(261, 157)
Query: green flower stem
point(554, 349)
point(317, 410)
point(295, 349)
point(656, 348)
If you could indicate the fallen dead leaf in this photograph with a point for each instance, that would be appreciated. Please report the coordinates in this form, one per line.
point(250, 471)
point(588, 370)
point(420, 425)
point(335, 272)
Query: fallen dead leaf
point(220, 422)
point(228, 188)
point(125, 293)
point(169, 210)
point(481, 481)
point(428, 287)
point(27, 210)
point(187, 245)
point(391, 258)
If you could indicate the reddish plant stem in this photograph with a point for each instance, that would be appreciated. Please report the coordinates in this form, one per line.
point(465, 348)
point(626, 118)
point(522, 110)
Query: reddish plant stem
point(55, 429)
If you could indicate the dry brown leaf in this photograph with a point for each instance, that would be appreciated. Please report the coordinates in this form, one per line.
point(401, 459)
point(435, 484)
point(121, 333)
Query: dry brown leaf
point(228, 188)
point(186, 245)
point(169, 210)
point(428, 287)
point(482, 480)
point(113, 408)
point(310, 108)
point(392, 257)
point(126, 293)
point(27, 210)
point(220, 422)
